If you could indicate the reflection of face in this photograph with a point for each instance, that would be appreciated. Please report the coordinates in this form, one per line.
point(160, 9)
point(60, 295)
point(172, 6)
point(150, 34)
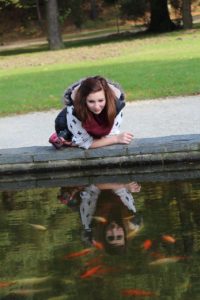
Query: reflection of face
point(96, 102)
point(115, 235)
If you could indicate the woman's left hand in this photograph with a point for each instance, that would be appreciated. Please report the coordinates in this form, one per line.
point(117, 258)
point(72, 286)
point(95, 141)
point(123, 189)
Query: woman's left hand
point(133, 187)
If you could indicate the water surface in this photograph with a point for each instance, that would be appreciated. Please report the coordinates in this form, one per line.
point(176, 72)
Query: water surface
point(36, 262)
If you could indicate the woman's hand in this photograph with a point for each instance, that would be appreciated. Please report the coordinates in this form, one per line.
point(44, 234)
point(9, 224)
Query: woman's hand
point(124, 138)
point(133, 187)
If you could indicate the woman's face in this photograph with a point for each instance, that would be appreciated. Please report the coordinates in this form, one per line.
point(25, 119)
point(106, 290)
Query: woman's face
point(115, 235)
point(96, 102)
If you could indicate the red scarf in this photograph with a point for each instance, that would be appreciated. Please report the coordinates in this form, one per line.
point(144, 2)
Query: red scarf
point(97, 125)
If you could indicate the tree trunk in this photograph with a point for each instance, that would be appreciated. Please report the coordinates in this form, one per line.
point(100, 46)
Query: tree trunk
point(54, 35)
point(160, 19)
point(93, 12)
point(38, 12)
point(187, 14)
point(41, 21)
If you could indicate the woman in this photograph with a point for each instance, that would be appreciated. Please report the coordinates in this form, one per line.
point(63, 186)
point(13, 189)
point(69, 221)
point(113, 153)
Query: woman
point(92, 115)
point(107, 211)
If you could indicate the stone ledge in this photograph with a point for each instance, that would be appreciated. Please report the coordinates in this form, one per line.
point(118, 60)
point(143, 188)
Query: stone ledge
point(141, 152)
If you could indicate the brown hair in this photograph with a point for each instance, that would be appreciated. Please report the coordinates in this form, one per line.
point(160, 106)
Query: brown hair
point(110, 206)
point(93, 85)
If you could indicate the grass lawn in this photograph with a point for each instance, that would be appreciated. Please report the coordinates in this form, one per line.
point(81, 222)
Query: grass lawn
point(146, 66)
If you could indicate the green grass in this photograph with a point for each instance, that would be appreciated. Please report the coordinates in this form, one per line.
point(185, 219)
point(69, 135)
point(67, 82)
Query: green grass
point(147, 67)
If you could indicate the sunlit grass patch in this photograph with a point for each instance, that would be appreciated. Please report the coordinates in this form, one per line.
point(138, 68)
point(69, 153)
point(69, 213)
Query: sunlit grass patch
point(148, 67)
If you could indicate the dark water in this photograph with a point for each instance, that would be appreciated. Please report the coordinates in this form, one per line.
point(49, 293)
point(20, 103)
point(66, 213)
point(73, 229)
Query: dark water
point(36, 263)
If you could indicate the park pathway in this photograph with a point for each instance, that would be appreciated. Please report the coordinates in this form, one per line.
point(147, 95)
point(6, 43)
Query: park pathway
point(149, 118)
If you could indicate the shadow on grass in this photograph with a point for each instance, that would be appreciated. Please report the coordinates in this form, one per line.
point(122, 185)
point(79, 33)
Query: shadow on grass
point(80, 42)
point(23, 50)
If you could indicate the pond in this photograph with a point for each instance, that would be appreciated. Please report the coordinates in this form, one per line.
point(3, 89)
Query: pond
point(88, 242)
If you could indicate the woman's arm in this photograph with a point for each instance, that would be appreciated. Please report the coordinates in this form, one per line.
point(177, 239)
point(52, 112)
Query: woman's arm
point(114, 137)
point(89, 198)
point(122, 138)
point(80, 137)
point(132, 187)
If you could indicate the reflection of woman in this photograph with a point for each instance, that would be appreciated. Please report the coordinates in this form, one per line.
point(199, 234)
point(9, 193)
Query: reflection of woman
point(113, 203)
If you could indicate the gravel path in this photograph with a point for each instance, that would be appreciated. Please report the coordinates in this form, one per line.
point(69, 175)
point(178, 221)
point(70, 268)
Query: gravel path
point(149, 118)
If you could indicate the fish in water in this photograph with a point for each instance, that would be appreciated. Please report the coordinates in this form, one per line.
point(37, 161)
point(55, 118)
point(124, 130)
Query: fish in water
point(166, 260)
point(147, 244)
point(91, 272)
point(168, 238)
point(32, 281)
point(98, 245)
point(131, 234)
point(128, 218)
point(105, 270)
point(94, 260)
point(100, 219)
point(62, 297)
point(38, 226)
point(5, 284)
point(137, 292)
point(157, 255)
point(28, 292)
point(79, 253)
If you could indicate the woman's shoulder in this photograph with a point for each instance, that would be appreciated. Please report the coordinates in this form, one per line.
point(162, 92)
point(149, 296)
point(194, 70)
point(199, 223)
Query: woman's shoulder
point(116, 88)
point(69, 93)
point(119, 93)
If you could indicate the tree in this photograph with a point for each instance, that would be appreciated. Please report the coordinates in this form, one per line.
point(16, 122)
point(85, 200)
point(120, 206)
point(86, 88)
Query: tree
point(160, 19)
point(155, 10)
point(77, 13)
point(39, 15)
point(186, 14)
point(134, 9)
point(183, 8)
point(54, 34)
point(94, 12)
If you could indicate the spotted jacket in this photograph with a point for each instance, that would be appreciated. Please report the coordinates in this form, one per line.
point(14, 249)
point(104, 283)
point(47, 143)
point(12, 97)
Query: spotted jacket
point(89, 199)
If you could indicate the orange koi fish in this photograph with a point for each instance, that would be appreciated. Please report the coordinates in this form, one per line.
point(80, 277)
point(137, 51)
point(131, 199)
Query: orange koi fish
point(98, 245)
point(157, 255)
point(78, 254)
point(147, 244)
point(91, 272)
point(136, 292)
point(105, 270)
point(168, 238)
point(100, 219)
point(5, 284)
point(94, 260)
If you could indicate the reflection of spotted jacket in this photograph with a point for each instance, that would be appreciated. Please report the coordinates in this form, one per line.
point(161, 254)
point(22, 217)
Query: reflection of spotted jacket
point(89, 199)
point(66, 120)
